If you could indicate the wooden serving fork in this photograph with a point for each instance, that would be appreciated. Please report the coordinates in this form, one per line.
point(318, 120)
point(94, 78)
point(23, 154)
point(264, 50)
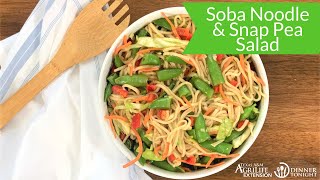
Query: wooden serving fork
point(92, 32)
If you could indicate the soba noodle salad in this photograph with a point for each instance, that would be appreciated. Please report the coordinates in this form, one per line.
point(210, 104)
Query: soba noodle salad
point(175, 111)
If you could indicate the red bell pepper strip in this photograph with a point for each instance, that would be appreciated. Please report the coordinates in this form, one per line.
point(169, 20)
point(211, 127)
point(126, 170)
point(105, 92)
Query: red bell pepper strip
point(240, 124)
point(136, 121)
point(151, 97)
point(191, 160)
point(220, 57)
point(120, 91)
point(184, 33)
point(151, 87)
point(172, 158)
point(233, 82)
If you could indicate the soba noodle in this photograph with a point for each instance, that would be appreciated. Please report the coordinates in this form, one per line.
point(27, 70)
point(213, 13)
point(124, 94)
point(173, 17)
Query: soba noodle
point(172, 130)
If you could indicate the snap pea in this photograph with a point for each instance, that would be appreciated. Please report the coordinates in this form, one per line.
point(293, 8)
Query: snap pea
point(142, 134)
point(161, 103)
point(167, 74)
point(150, 155)
point(107, 92)
point(162, 23)
point(164, 165)
point(204, 160)
point(141, 160)
point(184, 91)
point(137, 80)
point(223, 148)
point(142, 32)
point(150, 59)
point(179, 169)
point(202, 86)
point(214, 71)
point(175, 59)
point(200, 129)
point(129, 144)
point(144, 146)
point(134, 52)
point(117, 61)
point(246, 112)
point(253, 116)
point(192, 133)
point(112, 78)
point(234, 134)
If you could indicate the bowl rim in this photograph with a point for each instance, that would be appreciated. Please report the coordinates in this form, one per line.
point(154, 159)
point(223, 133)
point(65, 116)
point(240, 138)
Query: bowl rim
point(150, 168)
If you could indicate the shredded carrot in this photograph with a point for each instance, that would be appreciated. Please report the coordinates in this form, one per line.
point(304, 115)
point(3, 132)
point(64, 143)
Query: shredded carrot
point(174, 29)
point(216, 165)
point(192, 121)
point(149, 69)
point(113, 105)
point(242, 79)
point(187, 61)
point(227, 156)
point(260, 81)
point(149, 129)
point(186, 100)
point(202, 165)
point(117, 118)
point(243, 66)
point(200, 56)
point(166, 150)
point(210, 161)
point(140, 150)
point(141, 98)
point(209, 111)
point(242, 62)
point(147, 117)
point(162, 114)
point(143, 51)
point(225, 97)
point(156, 150)
point(151, 112)
point(210, 155)
point(122, 47)
point(221, 156)
point(228, 61)
point(125, 39)
point(112, 128)
point(131, 70)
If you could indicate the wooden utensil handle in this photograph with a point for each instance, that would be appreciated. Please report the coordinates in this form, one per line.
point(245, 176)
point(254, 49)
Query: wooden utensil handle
point(16, 102)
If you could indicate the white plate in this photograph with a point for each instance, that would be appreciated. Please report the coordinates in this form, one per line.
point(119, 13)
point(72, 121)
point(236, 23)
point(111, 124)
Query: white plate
point(155, 170)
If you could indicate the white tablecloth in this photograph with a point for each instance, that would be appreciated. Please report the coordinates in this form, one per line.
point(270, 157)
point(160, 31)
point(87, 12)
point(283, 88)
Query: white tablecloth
point(57, 135)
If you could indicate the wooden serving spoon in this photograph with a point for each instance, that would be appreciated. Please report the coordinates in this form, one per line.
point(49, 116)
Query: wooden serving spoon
point(91, 33)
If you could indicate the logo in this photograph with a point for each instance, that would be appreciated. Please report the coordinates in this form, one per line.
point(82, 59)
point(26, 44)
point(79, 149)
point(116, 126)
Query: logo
point(282, 171)
point(255, 170)
point(259, 170)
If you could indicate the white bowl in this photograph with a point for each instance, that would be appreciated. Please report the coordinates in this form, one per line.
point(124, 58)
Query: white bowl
point(155, 170)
